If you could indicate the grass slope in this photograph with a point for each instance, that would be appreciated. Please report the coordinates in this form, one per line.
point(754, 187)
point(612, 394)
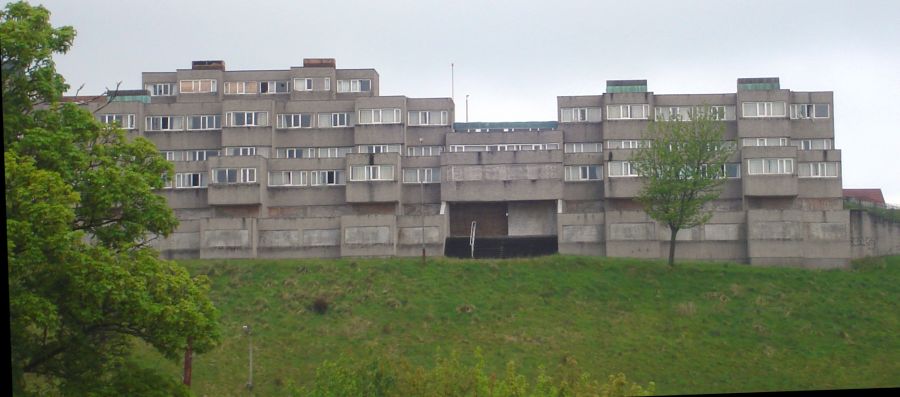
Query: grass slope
point(702, 327)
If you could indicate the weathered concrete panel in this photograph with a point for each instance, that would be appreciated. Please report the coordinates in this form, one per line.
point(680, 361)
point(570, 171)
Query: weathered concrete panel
point(321, 237)
point(581, 234)
point(367, 235)
point(828, 231)
point(280, 238)
point(413, 235)
point(532, 218)
point(632, 231)
point(226, 239)
point(775, 231)
point(721, 232)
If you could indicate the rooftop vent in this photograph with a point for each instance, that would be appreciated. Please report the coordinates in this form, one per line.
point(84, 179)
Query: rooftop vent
point(318, 62)
point(759, 84)
point(617, 86)
point(208, 65)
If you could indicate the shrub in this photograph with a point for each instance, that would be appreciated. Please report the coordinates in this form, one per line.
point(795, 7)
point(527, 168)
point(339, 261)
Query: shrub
point(320, 305)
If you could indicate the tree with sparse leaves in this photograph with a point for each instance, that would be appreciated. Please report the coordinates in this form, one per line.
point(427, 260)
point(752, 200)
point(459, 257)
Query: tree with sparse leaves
point(683, 166)
point(80, 206)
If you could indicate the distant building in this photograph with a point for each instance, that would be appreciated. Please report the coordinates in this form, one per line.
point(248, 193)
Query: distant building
point(312, 162)
point(873, 196)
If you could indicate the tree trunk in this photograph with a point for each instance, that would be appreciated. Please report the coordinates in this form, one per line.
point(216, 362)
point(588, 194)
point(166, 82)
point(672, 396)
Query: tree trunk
point(672, 246)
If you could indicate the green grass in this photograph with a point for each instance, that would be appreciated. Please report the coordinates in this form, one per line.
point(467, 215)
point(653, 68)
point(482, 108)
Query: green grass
point(700, 328)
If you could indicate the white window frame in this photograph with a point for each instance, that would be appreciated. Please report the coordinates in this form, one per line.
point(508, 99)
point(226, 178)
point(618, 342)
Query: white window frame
point(308, 84)
point(248, 175)
point(424, 151)
point(293, 120)
point(584, 147)
point(240, 151)
point(377, 116)
point(625, 111)
point(197, 84)
point(422, 175)
point(818, 169)
point(764, 109)
point(582, 173)
point(161, 89)
point(427, 117)
point(628, 170)
point(228, 173)
point(353, 85)
point(367, 173)
point(274, 84)
point(190, 180)
point(170, 122)
point(589, 114)
point(252, 118)
point(763, 142)
point(207, 122)
point(783, 166)
point(315, 176)
point(126, 120)
point(241, 87)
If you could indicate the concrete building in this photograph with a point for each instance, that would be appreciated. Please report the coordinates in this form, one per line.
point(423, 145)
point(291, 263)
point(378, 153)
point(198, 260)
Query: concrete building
point(312, 162)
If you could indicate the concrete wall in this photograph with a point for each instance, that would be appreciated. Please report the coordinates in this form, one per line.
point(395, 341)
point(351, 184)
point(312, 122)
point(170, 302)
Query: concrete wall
point(873, 236)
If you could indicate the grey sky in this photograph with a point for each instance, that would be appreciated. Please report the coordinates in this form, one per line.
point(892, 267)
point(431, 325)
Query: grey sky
point(513, 57)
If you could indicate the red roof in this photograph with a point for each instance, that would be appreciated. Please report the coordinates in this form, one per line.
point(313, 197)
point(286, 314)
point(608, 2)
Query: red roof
point(872, 195)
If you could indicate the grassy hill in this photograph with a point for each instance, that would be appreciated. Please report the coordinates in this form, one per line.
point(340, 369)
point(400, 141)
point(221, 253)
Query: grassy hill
point(698, 328)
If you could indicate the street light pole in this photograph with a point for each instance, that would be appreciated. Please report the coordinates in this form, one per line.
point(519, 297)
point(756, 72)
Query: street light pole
point(250, 344)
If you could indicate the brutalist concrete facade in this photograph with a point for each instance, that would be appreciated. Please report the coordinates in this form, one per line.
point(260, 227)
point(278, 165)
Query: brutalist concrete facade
point(312, 162)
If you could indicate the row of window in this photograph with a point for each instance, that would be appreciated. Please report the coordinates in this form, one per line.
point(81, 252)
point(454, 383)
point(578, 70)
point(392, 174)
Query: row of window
point(575, 173)
point(261, 119)
point(718, 112)
point(199, 86)
point(505, 147)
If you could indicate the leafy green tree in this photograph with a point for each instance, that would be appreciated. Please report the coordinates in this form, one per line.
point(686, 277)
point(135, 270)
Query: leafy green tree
point(683, 166)
point(80, 206)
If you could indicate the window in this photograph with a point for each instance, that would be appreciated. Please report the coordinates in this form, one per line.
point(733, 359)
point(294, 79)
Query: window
point(329, 177)
point(204, 122)
point(165, 123)
point(200, 155)
point(421, 175)
point(312, 84)
point(161, 89)
point(593, 147)
point(197, 86)
point(333, 120)
point(770, 166)
point(288, 178)
point(812, 144)
point(765, 142)
point(571, 115)
point(626, 144)
point(361, 85)
point(507, 147)
point(190, 180)
point(621, 168)
point(810, 111)
point(419, 151)
point(247, 119)
point(171, 155)
point(295, 153)
point(576, 173)
point(225, 175)
point(429, 117)
point(378, 149)
point(296, 120)
point(626, 112)
point(763, 109)
point(240, 87)
point(240, 151)
point(372, 173)
point(379, 116)
point(248, 175)
point(273, 87)
point(818, 170)
point(125, 121)
point(334, 152)
point(732, 170)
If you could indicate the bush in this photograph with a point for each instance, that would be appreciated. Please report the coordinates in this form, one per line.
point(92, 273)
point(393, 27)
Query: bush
point(390, 376)
point(320, 305)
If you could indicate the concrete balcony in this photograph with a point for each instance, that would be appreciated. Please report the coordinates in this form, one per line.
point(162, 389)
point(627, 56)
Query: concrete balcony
point(374, 191)
point(514, 157)
point(502, 190)
point(378, 134)
point(247, 136)
point(233, 194)
point(622, 187)
point(770, 185)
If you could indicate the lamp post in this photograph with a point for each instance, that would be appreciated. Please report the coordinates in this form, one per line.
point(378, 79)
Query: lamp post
point(249, 334)
point(422, 204)
point(467, 108)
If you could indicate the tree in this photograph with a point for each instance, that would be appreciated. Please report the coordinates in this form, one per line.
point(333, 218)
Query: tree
point(683, 166)
point(80, 207)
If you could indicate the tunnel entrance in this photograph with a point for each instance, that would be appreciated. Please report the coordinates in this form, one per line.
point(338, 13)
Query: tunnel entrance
point(502, 229)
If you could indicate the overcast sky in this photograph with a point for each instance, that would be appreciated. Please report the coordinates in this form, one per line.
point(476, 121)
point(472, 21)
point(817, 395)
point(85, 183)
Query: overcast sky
point(515, 57)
